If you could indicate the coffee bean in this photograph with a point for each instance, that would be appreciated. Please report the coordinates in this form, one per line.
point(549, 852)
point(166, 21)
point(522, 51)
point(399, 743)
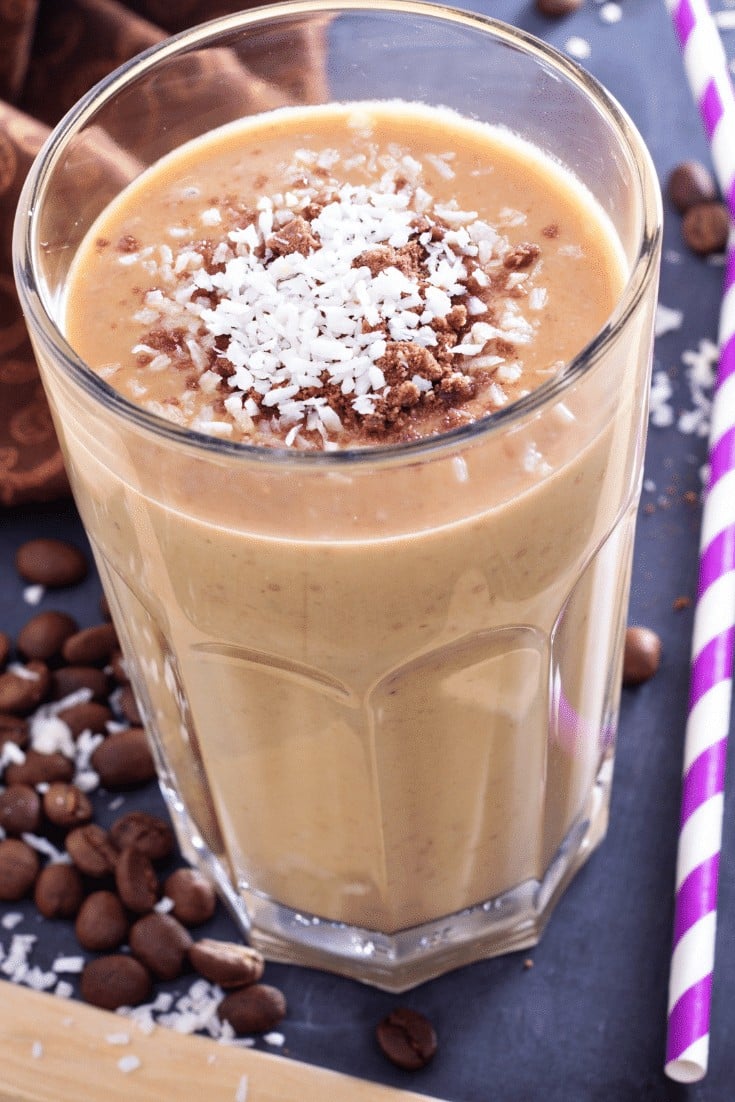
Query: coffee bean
point(66, 805)
point(254, 1009)
point(19, 867)
point(6, 646)
point(556, 8)
point(407, 1038)
point(114, 981)
point(690, 183)
point(91, 850)
point(90, 646)
point(69, 679)
point(148, 833)
point(59, 891)
point(193, 896)
point(705, 228)
point(129, 706)
point(161, 944)
point(49, 562)
point(43, 635)
point(88, 716)
point(22, 689)
point(39, 769)
point(226, 963)
point(101, 923)
point(136, 881)
point(642, 655)
point(124, 759)
point(13, 729)
point(20, 809)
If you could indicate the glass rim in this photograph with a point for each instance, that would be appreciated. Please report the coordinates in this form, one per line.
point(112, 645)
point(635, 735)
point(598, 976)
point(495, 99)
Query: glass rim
point(26, 246)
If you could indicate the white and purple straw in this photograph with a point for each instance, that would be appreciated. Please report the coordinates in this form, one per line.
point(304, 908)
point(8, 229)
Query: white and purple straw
point(708, 723)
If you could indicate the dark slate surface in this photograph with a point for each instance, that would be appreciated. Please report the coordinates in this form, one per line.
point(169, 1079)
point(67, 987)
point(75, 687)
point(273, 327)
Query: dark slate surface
point(587, 1022)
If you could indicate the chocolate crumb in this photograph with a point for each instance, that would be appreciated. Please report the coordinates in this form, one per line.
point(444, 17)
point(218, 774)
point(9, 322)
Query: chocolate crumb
point(296, 236)
point(128, 244)
point(681, 603)
point(521, 256)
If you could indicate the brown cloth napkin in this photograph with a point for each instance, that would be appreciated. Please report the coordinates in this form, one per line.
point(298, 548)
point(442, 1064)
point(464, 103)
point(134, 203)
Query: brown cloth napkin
point(51, 52)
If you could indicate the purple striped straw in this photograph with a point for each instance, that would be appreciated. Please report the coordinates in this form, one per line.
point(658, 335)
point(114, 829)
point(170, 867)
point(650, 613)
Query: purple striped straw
point(710, 694)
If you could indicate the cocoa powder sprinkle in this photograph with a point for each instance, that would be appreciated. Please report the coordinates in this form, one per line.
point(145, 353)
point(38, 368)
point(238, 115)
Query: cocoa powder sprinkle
point(336, 312)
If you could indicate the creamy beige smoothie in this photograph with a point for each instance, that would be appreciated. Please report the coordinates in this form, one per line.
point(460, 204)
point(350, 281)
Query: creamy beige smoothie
point(384, 689)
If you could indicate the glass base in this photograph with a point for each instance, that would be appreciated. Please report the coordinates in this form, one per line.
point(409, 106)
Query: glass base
point(400, 961)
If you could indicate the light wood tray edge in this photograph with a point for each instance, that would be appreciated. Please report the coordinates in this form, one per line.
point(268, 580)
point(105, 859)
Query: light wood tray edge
point(56, 1050)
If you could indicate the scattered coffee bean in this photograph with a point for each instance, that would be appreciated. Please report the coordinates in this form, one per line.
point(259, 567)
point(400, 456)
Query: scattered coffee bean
point(44, 635)
point(39, 769)
point(91, 850)
point(59, 891)
point(101, 923)
point(136, 881)
point(13, 729)
point(161, 943)
point(114, 981)
point(690, 183)
point(88, 716)
point(226, 963)
point(254, 1009)
point(49, 562)
point(66, 805)
point(124, 759)
point(407, 1038)
point(705, 228)
point(129, 706)
point(69, 679)
point(22, 689)
point(20, 809)
point(557, 8)
point(642, 655)
point(19, 867)
point(148, 833)
point(90, 646)
point(193, 896)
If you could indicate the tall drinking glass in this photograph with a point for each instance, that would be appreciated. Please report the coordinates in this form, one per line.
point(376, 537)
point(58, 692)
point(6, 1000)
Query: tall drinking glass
point(381, 684)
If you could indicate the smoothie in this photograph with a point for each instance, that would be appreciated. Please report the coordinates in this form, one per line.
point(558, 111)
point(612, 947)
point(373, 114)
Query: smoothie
point(384, 688)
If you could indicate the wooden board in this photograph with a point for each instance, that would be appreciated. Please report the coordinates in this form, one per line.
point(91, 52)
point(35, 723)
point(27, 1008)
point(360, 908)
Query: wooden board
point(55, 1050)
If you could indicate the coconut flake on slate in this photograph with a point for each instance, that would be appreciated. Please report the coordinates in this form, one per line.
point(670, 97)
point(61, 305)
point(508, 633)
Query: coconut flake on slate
point(667, 319)
point(34, 594)
point(68, 964)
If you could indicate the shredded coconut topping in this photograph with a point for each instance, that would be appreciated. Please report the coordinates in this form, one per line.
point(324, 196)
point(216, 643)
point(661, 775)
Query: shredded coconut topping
point(334, 311)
